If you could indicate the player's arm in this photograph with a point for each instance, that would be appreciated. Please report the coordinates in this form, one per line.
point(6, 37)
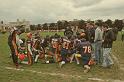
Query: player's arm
point(78, 48)
point(29, 49)
point(96, 35)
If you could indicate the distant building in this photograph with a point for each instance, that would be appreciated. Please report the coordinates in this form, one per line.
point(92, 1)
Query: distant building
point(23, 24)
point(3, 26)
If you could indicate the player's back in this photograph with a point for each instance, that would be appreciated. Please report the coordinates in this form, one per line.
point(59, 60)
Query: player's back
point(85, 48)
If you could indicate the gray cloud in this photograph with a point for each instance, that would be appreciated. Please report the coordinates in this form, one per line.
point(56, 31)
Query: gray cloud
point(85, 3)
point(40, 11)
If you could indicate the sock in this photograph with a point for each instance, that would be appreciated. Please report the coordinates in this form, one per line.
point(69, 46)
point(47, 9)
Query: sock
point(36, 58)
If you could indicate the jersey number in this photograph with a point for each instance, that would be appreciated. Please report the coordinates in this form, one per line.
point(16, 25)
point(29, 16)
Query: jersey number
point(66, 45)
point(87, 49)
point(54, 45)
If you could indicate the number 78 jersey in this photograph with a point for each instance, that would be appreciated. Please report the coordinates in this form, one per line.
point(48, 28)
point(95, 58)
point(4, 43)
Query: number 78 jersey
point(85, 48)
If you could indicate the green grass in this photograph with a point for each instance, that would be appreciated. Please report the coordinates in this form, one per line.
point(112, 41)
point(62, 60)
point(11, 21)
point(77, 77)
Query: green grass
point(68, 69)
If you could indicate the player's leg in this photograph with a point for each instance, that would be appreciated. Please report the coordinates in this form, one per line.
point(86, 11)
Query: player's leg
point(104, 63)
point(14, 56)
point(122, 37)
point(77, 56)
point(63, 55)
point(110, 61)
point(98, 52)
point(36, 53)
point(85, 61)
point(72, 54)
point(72, 57)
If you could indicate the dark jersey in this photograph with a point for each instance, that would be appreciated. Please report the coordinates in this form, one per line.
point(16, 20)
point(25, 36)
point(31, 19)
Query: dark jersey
point(54, 43)
point(85, 48)
point(29, 41)
point(10, 40)
point(76, 43)
point(66, 44)
point(108, 39)
point(91, 35)
point(45, 42)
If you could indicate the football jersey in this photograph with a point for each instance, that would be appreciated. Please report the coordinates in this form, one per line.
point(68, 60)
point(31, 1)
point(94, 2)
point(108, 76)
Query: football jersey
point(85, 48)
point(66, 43)
point(29, 41)
point(76, 42)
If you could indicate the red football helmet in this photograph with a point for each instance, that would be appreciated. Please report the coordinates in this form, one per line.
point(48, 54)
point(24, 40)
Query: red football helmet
point(21, 57)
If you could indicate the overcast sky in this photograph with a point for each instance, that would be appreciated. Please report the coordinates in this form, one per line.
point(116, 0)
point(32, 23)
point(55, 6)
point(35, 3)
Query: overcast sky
point(40, 11)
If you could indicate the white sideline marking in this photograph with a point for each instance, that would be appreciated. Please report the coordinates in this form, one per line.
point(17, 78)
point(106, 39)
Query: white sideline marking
point(64, 75)
point(45, 73)
point(96, 79)
point(14, 68)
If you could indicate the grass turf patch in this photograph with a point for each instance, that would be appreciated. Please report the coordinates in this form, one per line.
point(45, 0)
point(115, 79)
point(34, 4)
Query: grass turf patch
point(68, 69)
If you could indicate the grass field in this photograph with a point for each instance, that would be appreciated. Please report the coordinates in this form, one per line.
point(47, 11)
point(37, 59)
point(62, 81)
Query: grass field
point(52, 73)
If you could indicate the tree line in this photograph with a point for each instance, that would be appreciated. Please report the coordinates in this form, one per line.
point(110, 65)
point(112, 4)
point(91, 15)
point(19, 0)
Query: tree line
point(59, 25)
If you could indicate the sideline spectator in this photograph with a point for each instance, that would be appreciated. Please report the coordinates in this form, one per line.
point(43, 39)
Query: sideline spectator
point(122, 36)
point(98, 43)
point(107, 46)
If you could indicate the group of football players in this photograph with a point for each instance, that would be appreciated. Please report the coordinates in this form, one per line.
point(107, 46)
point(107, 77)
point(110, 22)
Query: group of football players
point(59, 49)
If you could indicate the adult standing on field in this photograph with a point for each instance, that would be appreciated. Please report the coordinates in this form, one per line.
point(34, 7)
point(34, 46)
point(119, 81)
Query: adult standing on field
point(122, 37)
point(107, 46)
point(98, 42)
point(14, 47)
point(18, 40)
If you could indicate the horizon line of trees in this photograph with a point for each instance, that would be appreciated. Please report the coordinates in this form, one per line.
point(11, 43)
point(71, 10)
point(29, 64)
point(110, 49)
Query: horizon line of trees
point(59, 25)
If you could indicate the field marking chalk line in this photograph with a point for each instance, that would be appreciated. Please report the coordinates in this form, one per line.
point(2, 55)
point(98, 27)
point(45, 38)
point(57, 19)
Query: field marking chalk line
point(64, 75)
